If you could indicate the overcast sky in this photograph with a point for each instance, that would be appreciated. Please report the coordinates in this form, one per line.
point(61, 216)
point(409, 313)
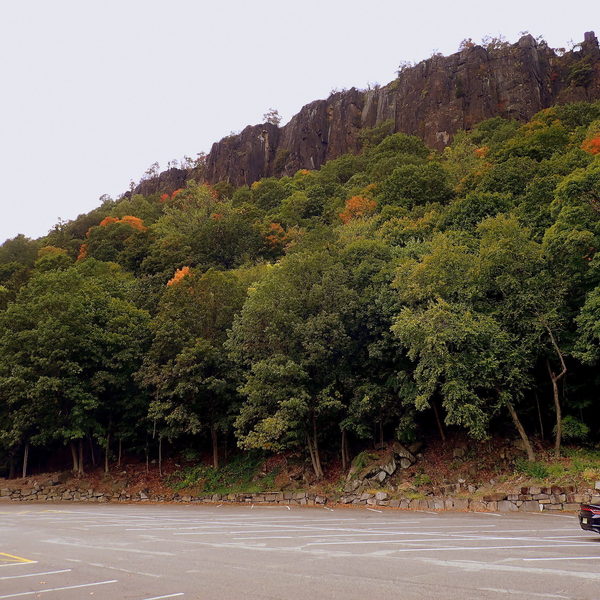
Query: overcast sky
point(94, 91)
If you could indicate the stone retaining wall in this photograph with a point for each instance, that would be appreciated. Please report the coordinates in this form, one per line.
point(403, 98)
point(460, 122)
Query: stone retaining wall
point(529, 499)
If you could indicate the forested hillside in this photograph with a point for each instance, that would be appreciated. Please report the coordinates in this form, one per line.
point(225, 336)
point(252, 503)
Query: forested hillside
point(400, 292)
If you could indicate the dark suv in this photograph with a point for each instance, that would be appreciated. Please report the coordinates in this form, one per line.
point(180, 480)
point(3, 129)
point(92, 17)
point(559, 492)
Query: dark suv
point(589, 517)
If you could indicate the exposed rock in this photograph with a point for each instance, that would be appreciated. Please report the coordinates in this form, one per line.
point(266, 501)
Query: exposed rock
point(404, 453)
point(433, 100)
point(390, 467)
point(167, 182)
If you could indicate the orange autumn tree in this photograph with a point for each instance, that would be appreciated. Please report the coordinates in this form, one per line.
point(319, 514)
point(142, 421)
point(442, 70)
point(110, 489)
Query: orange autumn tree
point(130, 220)
point(106, 221)
point(106, 240)
point(592, 146)
point(179, 275)
point(83, 252)
point(167, 197)
point(276, 235)
point(591, 143)
point(134, 222)
point(357, 207)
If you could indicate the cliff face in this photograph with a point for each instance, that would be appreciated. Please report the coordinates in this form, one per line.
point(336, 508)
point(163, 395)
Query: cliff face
point(433, 100)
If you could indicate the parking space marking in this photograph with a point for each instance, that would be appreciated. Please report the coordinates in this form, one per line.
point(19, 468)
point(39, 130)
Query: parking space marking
point(523, 593)
point(34, 574)
point(7, 560)
point(569, 558)
point(477, 567)
point(59, 589)
point(110, 548)
point(169, 596)
point(442, 548)
point(102, 566)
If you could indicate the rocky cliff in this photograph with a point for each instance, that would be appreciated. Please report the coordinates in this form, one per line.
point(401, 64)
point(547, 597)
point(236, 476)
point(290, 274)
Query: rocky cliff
point(433, 99)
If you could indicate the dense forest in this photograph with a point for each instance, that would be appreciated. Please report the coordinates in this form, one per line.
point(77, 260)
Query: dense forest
point(396, 293)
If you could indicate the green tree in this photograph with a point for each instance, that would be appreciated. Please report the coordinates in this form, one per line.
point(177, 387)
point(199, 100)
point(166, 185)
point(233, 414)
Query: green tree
point(187, 371)
point(292, 337)
point(67, 344)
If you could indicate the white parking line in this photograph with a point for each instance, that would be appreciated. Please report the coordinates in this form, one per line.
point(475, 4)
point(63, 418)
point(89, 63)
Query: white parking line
point(569, 558)
point(102, 566)
point(110, 548)
point(34, 574)
point(59, 589)
point(442, 548)
point(169, 596)
point(523, 593)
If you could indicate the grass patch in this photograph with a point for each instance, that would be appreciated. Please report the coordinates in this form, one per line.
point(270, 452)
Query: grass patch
point(241, 475)
point(535, 470)
point(577, 466)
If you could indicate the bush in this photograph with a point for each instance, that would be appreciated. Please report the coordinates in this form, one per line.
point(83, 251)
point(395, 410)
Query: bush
point(536, 470)
point(573, 429)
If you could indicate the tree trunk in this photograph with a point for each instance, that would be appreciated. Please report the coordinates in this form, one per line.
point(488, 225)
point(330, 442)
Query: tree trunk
point(80, 469)
point(160, 455)
point(120, 449)
point(11, 465)
point(25, 460)
point(215, 446)
point(147, 457)
point(555, 379)
point(106, 452)
point(344, 445)
point(313, 447)
point(438, 421)
point(537, 401)
point(74, 456)
point(312, 453)
point(521, 430)
point(92, 453)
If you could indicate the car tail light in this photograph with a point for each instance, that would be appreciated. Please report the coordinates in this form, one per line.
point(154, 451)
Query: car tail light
point(594, 511)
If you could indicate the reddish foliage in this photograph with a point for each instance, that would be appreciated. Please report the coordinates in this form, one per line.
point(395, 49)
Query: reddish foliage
point(134, 222)
point(276, 236)
point(166, 197)
point(130, 220)
point(357, 207)
point(592, 146)
point(107, 221)
point(216, 216)
point(481, 152)
point(83, 250)
point(179, 275)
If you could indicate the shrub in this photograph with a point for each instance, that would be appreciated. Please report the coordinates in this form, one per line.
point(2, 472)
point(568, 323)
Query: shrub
point(536, 470)
point(573, 429)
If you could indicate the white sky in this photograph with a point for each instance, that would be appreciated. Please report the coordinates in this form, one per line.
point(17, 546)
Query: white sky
point(94, 91)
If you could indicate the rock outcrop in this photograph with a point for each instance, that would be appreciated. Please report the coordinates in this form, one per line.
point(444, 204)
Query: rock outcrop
point(433, 100)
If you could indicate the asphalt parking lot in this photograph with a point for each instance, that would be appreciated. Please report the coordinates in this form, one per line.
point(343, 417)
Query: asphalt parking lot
point(151, 552)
